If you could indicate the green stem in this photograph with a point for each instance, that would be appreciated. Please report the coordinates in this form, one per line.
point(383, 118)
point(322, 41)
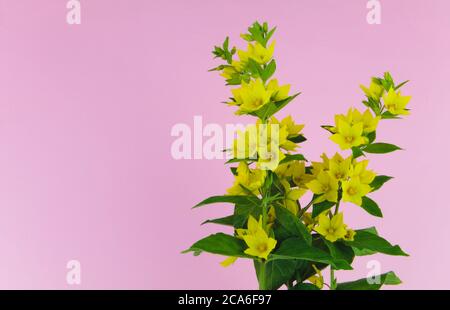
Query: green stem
point(337, 207)
point(262, 276)
point(332, 279)
point(303, 211)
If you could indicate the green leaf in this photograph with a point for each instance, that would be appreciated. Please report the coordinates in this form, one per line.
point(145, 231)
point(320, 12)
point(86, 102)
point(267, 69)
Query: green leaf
point(237, 160)
point(366, 240)
point(254, 67)
point(244, 200)
point(371, 207)
point(297, 139)
point(389, 81)
point(321, 207)
point(276, 272)
point(227, 221)
point(269, 70)
point(297, 248)
point(340, 251)
point(330, 129)
point(401, 84)
point(372, 136)
point(269, 34)
point(389, 115)
point(305, 287)
point(365, 252)
point(220, 243)
point(371, 230)
point(389, 278)
point(272, 107)
point(242, 212)
point(381, 148)
point(292, 157)
point(378, 182)
point(292, 224)
point(356, 152)
point(306, 270)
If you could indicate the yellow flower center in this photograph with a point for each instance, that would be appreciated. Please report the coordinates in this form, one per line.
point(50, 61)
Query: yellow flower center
point(262, 247)
point(325, 188)
point(349, 139)
point(331, 231)
point(351, 191)
point(258, 102)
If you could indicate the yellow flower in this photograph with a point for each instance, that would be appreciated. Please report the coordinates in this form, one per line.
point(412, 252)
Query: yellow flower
point(348, 135)
point(340, 167)
point(271, 216)
point(283, 134)
point(353, 117)
point(359, 170)
point(292, 196)
point(370, 122)
point(228, 261)
point(299, 175)
point(353, 191)
point(296, 170)
point(349, 235)
point(318, 167)
point(251, 179)
point(317, 278)
point(324, 185)
point(246, 144)
point(284, 170)
point(259, 244)
point(293, 129)
point(269, 159)
point(279, 92)
point(256, 238)
point(251, 96)
point(309, 221)
point(396, 103)
point(374, 91)
point(332, 229)
point(239, 65)
point(259, 53)
point(228, 72)
point(252, 227)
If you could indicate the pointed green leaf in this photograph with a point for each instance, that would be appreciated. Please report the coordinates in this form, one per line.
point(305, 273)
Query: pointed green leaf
point(304, 287)
point(381, 148)
point(371, 207)
point(292, 157)
point(273, 107)
point(276, 272)
point(366, 240)
point(297, 248)
point(245, 200)
point(292, 224)
point(220, 243)
point(321, 207)
point(389, 278)
point(227, 221)
point(356, 152)
point(379, 181)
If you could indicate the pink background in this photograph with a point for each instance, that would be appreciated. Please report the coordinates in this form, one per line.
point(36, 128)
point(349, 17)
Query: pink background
point(86, 111)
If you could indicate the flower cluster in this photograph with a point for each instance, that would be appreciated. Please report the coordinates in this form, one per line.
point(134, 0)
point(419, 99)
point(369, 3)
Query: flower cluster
point(290, 240)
